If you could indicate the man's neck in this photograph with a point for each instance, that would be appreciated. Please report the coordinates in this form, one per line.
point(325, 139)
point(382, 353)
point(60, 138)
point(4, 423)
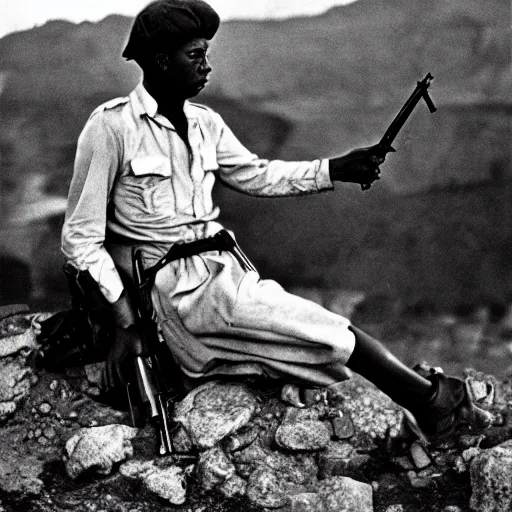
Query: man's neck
point(168, 104)
point(171, 108)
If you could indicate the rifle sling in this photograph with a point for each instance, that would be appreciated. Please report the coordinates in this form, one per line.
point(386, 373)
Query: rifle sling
point(222, 241)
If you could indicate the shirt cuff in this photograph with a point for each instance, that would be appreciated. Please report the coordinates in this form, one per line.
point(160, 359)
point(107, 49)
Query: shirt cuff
point(108, 279)
point(323, 179)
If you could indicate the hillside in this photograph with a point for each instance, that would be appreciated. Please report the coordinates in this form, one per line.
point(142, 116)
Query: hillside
point(303, 88)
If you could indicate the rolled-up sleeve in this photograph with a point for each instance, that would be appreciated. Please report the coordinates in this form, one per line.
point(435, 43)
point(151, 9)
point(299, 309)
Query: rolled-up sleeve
point(83, 235)
point(244, 171)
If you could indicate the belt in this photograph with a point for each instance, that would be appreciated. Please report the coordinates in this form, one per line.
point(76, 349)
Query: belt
point(222, 241)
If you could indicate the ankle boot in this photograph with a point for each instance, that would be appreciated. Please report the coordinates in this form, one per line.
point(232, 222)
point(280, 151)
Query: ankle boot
point(449, 409)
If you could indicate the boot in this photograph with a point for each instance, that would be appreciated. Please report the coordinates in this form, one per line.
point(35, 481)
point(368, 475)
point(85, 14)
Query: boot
point(448, 411)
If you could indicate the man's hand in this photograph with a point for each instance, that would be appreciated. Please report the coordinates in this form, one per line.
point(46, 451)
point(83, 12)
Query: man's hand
point(359, 166)
point(126, 346)
point(119, 364)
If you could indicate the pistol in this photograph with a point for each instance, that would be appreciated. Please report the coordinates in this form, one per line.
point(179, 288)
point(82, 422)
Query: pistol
point(421, 92)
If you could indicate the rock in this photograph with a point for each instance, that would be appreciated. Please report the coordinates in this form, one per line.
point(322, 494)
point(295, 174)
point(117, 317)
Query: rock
point(233, 486)
point(418, 482)
point(478, 389)
point(372, 413)
point(314, 396)
point(356, 462)
point(452, 508)
point(302, 430)
point(298, 469)
point(340, 459)
point(303, 435)
point(98, 448)
point(459, 465)
point(213, 468)
point(21, 473)
point(404, 462)
point(491, 479)
point(419, 456)
point(214, 410)
point(135, 468)
point(343, 426)
point(45, 408)
point(266, 489)
point(306, 502)
point(294, 415)
point(468, 441)
point(343, 494)
point(13, 309)
point(7, 409)
point(11, 345)
point(395, 508)
point(15, 384)
point(334, 460)
point(167, 482)
point(181, 440)
point(469, 454)
point(241, 439)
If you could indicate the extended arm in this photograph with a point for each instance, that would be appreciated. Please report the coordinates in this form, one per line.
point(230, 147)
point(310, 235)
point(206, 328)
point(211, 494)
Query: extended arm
point(247, 173)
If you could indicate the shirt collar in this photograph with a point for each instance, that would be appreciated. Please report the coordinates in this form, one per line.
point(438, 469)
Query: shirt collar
point(145, 104)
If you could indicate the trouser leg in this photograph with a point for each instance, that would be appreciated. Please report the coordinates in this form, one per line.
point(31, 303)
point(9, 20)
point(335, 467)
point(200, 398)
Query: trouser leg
point(377, 364)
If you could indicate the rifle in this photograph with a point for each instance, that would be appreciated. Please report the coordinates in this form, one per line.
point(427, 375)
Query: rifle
point(384, 145)
point(152, 386)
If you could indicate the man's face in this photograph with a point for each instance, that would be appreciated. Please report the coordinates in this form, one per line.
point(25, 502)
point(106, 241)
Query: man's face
point(186, 68)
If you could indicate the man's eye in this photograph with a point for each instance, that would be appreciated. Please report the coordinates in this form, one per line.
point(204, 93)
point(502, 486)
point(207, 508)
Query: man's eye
point(199, 55)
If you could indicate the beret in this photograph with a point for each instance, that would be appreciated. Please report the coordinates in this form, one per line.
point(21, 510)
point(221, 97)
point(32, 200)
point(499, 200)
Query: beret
point(167, 23)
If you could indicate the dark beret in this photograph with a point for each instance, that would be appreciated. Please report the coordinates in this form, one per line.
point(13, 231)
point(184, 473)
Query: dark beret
point(168, 23)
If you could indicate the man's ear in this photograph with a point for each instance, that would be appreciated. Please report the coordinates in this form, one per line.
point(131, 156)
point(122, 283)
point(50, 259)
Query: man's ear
point(162, 61)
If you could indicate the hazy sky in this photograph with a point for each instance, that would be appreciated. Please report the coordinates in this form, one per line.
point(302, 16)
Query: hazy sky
point(23, 14)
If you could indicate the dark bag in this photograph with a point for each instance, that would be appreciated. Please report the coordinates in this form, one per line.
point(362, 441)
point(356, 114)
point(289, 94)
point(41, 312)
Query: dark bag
point(81, 335)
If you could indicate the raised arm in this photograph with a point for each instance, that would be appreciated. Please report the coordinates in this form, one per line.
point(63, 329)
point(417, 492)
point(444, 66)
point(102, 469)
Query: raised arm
point(244, 171)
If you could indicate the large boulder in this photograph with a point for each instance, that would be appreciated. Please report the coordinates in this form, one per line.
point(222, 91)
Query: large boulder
point(491, 479)
point(215, 410)
point(370, 414)
point(98, 449)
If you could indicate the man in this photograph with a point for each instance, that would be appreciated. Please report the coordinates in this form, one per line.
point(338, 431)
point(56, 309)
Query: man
point(143, 177)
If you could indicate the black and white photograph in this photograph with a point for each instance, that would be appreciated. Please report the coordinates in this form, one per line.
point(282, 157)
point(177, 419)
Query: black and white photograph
point(256, 256)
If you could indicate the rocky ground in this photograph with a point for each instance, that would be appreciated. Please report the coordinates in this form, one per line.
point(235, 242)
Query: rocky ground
point(241, 447)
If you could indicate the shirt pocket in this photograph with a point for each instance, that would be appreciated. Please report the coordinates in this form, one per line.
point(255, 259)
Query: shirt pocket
point(145, 191)
point(151, 166)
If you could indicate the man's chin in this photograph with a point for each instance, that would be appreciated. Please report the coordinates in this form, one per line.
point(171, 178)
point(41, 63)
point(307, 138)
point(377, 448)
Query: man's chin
point(194, 91)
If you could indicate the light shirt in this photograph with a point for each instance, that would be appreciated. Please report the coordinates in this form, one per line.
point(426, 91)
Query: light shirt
point(136, 177)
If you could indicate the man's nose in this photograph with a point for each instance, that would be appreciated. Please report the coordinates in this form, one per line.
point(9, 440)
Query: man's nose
point(205, 65)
